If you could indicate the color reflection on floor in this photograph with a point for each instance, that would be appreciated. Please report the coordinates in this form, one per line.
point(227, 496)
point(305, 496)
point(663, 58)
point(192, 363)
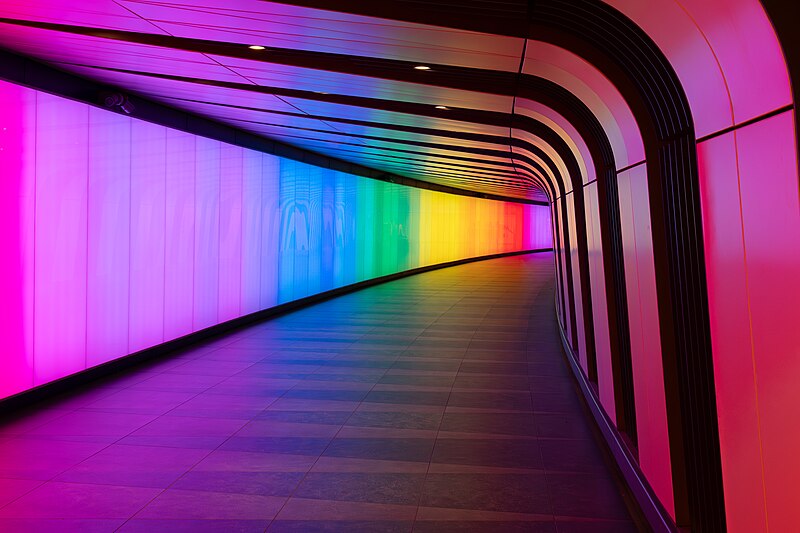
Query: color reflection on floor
point(439, 402)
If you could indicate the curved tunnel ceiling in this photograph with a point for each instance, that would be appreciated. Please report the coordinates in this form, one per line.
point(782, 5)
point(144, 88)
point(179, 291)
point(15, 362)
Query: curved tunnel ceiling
point(343, 85)
point(499, 111)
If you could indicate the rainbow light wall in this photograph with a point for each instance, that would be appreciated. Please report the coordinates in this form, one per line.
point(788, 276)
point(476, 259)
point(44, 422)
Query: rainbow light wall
point(119, 235)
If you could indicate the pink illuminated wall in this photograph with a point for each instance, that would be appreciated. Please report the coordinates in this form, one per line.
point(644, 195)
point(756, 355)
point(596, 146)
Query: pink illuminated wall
point(752, 242)
point(594, 244)
point(572, 256)
point(120, 235)
point(17, 201)
point(648, 376)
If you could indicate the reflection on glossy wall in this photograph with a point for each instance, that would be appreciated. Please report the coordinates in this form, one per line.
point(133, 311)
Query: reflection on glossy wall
point(118, 234)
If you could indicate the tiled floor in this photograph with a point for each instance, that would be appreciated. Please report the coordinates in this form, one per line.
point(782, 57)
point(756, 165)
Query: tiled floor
point(435, 403)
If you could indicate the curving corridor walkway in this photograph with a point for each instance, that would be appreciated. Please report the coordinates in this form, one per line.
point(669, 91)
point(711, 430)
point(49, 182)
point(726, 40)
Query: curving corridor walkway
point(439, 402)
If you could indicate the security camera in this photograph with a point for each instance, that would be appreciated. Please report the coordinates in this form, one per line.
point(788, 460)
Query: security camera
point(112, 100)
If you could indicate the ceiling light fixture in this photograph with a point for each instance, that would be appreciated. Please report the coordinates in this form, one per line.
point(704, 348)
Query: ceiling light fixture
point(422, 67)
point(257, 47)
point(443, 107)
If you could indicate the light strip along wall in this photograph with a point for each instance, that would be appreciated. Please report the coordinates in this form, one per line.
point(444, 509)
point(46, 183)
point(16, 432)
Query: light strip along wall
point(119, 235)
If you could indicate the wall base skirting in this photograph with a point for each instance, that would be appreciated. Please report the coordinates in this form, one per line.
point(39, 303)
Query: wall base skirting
point(30, 396)
point(651, 509)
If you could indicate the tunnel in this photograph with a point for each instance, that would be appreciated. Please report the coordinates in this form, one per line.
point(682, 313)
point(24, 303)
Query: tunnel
point(554, 244)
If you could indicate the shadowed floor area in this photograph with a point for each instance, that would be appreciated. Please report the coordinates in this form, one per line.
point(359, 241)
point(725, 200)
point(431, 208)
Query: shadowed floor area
point(438, 402)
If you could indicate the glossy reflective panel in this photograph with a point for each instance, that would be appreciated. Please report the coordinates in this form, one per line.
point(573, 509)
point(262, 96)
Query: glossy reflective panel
point(648, 374)
point(753, 287)
point(725, 53)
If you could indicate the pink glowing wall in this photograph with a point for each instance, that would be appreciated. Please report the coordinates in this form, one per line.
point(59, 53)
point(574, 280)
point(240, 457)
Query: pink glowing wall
point(751, 228)
point(572, 256)
point(594, 244)
point(120, 235)
point(562, 247)
point(648, 376)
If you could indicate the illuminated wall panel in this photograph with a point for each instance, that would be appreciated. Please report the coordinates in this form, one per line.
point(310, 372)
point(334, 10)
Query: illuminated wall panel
point(180, 235)
point(252, 232)
point(648, 377)
point(558, 206)
point(773, 263)
point(300, 224)
point(752, 264)
point(537, 226)
point(108, 226)
point(345, 203)
point(145, 234)
point(270, 232)
point(62, 136)
point(206, 237)
point(572, 256)
point(148, 239)
point(605, 376)
point(17, 208)
point(230, 233)
point(729, 316)
point(559, 276)
point(326, 224)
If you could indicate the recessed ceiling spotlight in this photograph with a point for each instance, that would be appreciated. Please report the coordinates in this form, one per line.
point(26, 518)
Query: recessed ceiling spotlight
point(442, 107)
point(257, 47)
point(422, 67)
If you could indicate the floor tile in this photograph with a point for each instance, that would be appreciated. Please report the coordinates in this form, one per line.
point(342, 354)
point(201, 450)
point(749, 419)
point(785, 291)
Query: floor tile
point(263, 483)
point(85, 423)
point(42, 459)
point(399, 420)
point(349, 464)
point(408, 397)
point(332, 510)
point(572, 455)
point(184, 432)
point(289, 445)
point(189, 504)
point(194, 526)
point(517, 453)
point(506, 401)
point(586, 495)
point(62, 525)
point(392, 449)
point(237, 461)
point(490, 422)
point(133, 466)
point(336, 418)
point(478, 526)
point(595, 526)
point(340, 526)
point(519, 493)
point(11, 489)
point(79, 501)
point(372, 487)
